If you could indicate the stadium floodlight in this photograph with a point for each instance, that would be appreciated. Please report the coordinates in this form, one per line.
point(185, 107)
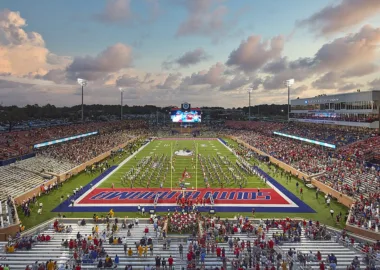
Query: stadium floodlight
point(289, 83)
point(121, 89)
point(249, 90)
point(82, 83)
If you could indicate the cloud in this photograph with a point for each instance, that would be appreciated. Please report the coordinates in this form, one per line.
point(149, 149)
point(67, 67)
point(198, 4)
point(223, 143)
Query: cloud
point(350, 86)
point(353, 49)
point(171, 82)
point(335, 18)
point(11, 32)
point(128, 81)
point(253, 53)
point(23, 52)
point(375, 84)
point(358, 51)
point(192, 57)
point(276, 66)
point(329, 80)
point(116, 11)
point(360, 70)
point(235, 83)
point(299, 90)
point(56, 75)
point(112, 59)
point(213, 76)
point(203, 18)
point(187, 59)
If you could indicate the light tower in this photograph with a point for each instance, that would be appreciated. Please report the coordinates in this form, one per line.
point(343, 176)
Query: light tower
point(121, 89)
point(82, 83)
point(289, 83)
point(249, 103)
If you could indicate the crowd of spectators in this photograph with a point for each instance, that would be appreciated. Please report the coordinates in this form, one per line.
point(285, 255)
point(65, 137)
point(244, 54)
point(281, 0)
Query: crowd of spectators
point(259, 127)
point(347, 169)
point(80, 151)
point(337, 135)
point(344, 169)
point(17, 143)
point(258, 251)
point(365, 213)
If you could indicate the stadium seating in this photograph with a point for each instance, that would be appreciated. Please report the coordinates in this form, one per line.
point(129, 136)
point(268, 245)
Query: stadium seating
point(44, 251)
point(44, 164)
point(80, 151)
point(15, 181)
point(337, 135)
point(7, 213)
point(16, 143)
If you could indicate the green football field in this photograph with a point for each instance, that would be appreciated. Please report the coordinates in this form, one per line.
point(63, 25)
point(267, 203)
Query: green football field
point(52, 200)
point(152, 166)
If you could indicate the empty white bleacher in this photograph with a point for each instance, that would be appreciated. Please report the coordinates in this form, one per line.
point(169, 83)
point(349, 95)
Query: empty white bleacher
point(4, 214)
point(15, 181)
point(40, 164)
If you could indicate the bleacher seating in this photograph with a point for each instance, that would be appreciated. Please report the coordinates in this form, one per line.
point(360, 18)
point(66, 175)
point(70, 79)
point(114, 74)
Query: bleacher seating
point(16, 143)
point(43, 251)
point(7, 214)
point(15, 181)
point(45, 164)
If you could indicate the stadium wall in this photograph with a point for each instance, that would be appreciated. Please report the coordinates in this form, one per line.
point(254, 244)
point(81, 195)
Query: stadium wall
point(343, 199)
point(63, 177)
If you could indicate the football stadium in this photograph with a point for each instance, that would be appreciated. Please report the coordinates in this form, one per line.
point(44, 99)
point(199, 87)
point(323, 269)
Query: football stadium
point(202, 179)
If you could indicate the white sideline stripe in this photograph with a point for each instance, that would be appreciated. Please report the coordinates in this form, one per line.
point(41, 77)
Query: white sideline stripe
point(105, 178)
point(268, 183)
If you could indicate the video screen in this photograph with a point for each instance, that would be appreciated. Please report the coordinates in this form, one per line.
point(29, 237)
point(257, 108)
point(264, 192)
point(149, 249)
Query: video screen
point(179, 116)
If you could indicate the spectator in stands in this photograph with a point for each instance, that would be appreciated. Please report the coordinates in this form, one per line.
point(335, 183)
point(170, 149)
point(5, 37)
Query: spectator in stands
point(170, 262)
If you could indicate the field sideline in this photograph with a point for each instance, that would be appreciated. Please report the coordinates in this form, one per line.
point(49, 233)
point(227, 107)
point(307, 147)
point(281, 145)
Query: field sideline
point(52, 200)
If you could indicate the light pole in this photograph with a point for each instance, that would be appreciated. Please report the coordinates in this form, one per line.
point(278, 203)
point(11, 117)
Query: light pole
point(121, 89)
point(289, 83)
point(82, 83)
point(249, 102)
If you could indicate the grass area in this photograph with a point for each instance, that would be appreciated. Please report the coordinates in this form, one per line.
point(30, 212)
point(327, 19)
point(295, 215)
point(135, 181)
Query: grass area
point(160, 153)
point(53, 199)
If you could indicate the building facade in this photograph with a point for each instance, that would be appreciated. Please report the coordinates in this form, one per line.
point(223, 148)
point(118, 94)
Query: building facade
point(358, 109)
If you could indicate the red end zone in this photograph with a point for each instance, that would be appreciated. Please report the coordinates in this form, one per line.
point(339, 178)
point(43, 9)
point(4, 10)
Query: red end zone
point(123, 196)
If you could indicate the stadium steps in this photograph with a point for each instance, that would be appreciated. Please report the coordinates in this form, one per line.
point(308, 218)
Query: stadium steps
point(43, 251)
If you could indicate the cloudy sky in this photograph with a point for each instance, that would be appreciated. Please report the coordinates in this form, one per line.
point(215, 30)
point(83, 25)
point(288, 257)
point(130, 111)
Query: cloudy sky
point(206, 52)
